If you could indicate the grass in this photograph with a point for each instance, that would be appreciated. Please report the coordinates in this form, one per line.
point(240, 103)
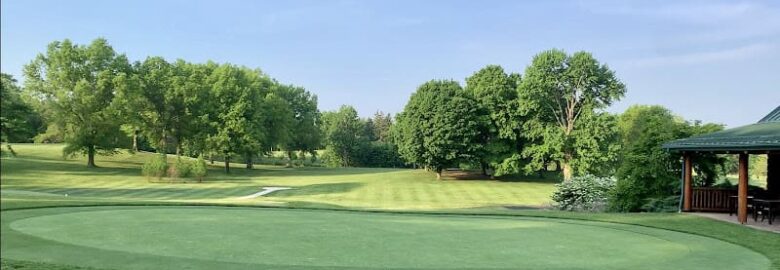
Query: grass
point(435, 224)
point(175, 237)
point(41, 169)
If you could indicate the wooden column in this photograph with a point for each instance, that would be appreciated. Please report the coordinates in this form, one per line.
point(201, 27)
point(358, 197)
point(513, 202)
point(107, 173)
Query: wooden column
point(687, 182)
point(742, 191)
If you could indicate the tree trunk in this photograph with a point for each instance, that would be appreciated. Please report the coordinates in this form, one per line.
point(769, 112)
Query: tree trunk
point(91, 156)
point(249, 164)
point(227, 164)
point(438, 173)
point(289, 159)
point(135, 140)
point(484, 168)
point(567, 171)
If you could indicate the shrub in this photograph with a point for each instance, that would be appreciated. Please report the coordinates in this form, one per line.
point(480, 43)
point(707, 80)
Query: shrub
point(663, 204)
point(155, 167)
point(584, 193)
point(179, 170)
point(198, 169)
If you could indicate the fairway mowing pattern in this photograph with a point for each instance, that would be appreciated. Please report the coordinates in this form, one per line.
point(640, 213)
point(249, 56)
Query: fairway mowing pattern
point(260, 238)
point(40, 168)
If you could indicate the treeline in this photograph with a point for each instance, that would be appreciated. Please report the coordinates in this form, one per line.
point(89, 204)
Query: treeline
point(553, 116)
point(95, 100)
point(508, 123)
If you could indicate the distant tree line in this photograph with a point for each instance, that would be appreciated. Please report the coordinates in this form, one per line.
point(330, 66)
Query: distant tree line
point(553, 116)
point(94, 100)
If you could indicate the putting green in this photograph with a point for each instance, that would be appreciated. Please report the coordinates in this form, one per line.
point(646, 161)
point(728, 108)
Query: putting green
point(240, 238)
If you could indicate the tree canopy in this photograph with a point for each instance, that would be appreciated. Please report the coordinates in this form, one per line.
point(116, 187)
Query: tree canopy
point(561, 98)
point(78, 84)
point(439, 126)
point(19, 122)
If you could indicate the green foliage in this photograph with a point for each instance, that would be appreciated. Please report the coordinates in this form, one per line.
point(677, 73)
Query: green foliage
point(439, 127)
point(77, 85)
point(496, 96)
point(382, 124)
point(647, 174)
point(344, 137)
point(561, 97)
point(18, 121)
point(239, 111)
point(583, 193)
point(155, 167)
point(199, 168)
point(662, 204)
point(646, 170)
point(180, 169)
point(304, 133)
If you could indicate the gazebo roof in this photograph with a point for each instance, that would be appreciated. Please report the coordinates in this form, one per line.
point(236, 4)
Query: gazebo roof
point(763, 136)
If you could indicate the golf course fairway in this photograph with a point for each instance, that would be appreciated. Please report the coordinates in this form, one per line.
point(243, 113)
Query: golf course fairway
point(184, 237)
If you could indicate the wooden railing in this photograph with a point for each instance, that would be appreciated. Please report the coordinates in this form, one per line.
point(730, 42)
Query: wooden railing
point(711, 199)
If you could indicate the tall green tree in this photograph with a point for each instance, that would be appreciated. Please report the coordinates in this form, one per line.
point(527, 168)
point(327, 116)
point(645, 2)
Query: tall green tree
point(154, 105)
point(647, 172)
point(382, 124)
point(561, 98)
point(200, 105)
point(439, 126)
point(304, 134)
point(78, 84)
point(496, 94)
point(239, 117)
point(344, 135)
point(18, 121)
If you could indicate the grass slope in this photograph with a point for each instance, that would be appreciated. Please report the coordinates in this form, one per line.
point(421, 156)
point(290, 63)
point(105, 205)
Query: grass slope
point(41, 169)
point(39, 177)
point(242, 238)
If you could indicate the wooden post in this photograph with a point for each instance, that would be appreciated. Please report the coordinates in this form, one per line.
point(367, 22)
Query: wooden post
point(742, 191)
point(687, 183)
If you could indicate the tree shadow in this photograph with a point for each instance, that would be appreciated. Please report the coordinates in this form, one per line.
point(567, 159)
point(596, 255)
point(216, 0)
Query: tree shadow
point(460, 175)
point(316, 189)
point(185, 192)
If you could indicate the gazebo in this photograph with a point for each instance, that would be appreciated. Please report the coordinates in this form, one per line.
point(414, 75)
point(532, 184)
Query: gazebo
point(759, 138)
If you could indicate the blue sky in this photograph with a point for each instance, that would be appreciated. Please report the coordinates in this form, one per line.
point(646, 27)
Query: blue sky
point(709, 60)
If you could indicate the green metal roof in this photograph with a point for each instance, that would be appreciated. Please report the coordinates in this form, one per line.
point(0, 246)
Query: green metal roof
point(774, 116)
point(758, 137)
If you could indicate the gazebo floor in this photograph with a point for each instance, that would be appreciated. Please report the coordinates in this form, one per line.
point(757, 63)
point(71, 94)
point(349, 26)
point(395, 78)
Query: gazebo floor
point(775, 227)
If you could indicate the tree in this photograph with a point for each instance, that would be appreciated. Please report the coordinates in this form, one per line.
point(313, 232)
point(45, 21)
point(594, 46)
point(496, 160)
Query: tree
point(153, 106)
point(496, 95)
point(559, 96)
point(439, 126)
point(647, 172)
point(279, 123)
point(78, 84)
point(304, 134)
point(239, 116)
point(18, 121)
point(344, 135)
point(382, 124)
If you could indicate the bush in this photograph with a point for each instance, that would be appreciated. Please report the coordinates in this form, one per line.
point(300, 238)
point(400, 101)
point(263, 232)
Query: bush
point(199, 169)
point(664, 204)
point(584, 193)
point(179, 170)
point(155, 167)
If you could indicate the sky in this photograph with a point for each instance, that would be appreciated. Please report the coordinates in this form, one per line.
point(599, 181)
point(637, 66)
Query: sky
point(715, 61)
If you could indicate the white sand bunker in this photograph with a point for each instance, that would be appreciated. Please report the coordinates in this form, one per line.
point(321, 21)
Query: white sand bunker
point(265, 191)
